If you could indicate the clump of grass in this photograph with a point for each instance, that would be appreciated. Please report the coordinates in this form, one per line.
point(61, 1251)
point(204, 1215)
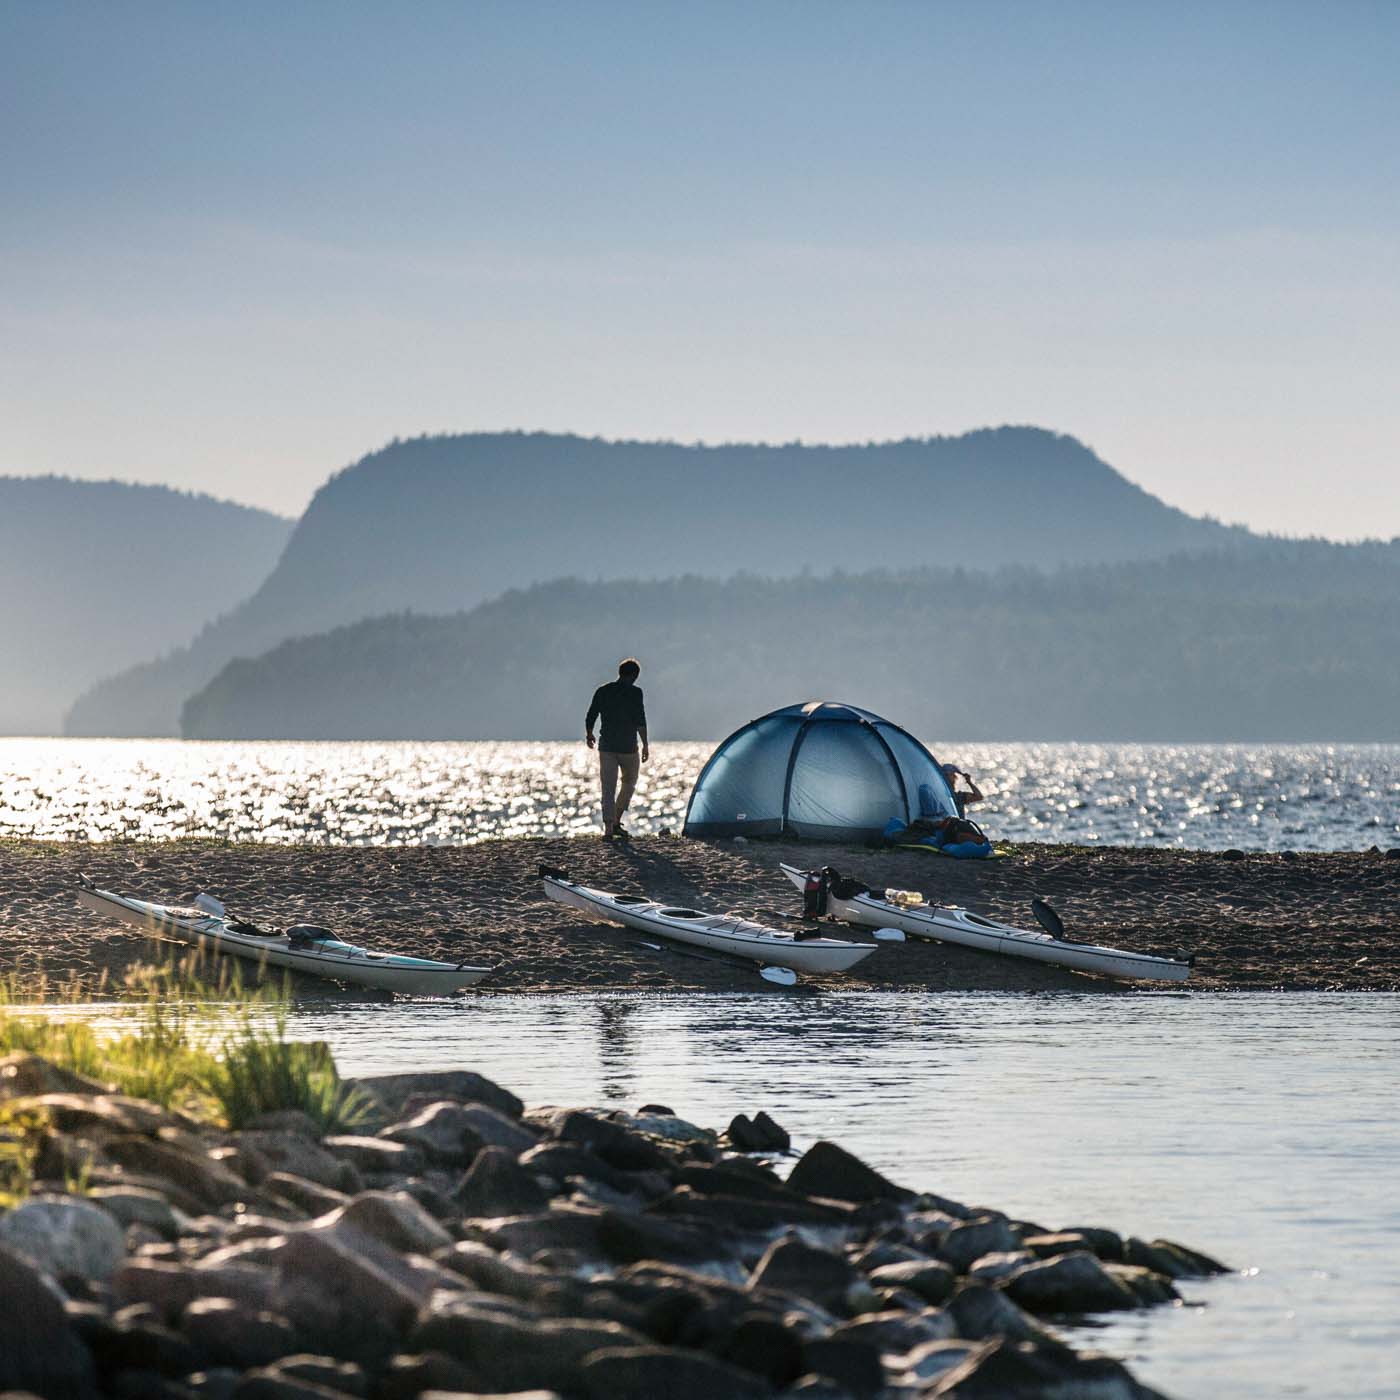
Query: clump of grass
point(22, 1130)
point(171, 1045)
point(261, 1071)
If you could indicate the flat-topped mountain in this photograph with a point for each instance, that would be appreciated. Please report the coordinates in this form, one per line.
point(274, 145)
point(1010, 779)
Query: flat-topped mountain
point(442, 523)
point(97, 574)
point(1287, 641)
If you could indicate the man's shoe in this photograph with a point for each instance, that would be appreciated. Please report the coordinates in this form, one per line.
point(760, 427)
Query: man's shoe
point(621, 832)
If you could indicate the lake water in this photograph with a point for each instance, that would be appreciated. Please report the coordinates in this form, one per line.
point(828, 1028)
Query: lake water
point(1264, 1129)
point(1254, 796)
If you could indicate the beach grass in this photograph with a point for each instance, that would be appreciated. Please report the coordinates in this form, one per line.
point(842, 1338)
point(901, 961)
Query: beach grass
point(186, 1034)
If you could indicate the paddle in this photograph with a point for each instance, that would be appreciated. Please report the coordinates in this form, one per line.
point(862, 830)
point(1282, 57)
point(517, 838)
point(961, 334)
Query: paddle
point(1047, 918)
point(779, 976)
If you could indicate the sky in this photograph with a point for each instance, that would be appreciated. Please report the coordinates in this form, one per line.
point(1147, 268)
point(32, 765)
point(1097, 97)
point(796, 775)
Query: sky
point(243, 245)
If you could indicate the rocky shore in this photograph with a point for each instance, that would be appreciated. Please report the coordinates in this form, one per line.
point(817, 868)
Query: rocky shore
point(1296, 922)
point(455, 1244)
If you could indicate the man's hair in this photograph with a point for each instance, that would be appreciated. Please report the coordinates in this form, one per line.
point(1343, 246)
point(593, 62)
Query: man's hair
point(630, 667)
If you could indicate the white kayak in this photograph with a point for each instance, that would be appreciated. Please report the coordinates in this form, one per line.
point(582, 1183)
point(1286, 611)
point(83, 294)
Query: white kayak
point(948, 923)
point(723, 933)
point(303, 948)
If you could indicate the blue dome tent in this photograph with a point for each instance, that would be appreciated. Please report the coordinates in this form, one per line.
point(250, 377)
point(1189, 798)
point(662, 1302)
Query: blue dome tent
point(823, 771)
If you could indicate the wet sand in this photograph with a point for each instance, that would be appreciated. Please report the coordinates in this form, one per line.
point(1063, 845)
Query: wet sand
point(1317, 922)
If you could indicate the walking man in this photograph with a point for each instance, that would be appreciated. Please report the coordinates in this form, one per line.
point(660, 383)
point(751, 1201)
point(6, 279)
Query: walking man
point(619, 705)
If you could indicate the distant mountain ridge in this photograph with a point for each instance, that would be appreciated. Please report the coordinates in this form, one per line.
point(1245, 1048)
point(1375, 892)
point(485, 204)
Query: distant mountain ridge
point(1287, 641)
point(442, 523)
point(97, 574)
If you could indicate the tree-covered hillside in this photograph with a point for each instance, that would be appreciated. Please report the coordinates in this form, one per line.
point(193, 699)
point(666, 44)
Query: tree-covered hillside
point(438, 524)
point(1289, 641)
point(97, 574)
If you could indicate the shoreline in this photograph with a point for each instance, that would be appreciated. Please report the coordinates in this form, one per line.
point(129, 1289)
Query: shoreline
point(1324, 921)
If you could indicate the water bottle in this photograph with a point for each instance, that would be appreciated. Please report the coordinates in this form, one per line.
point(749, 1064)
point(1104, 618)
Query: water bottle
point(906, 899)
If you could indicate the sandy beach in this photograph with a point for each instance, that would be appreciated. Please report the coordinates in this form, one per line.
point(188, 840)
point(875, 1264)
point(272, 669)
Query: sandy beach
point(1313, 922)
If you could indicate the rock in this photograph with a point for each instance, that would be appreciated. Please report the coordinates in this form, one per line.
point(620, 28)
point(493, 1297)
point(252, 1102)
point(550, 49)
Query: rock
point(968, 1241)
point(898, 1332)
point(268, 1384)
point(193, 1173)
point(852, 1364)
point(339, 1376)
point(927, 1363)
point(134, 1205)
point(398, 1221)
point(285, 1120)
point(1107, 1244)
point(1047, 1246)
point(392, 1091)
point(300, 1155)
point(40, 1349)
point(1232, 854)
point(453, 1133)
point(567, 1229)
point(24, 1076)
point(135, 1341)
point(492, 1272)
point(791, 1266)
point(1147, 1286)
point(170, 1288)
point(338, 1297)
point(617, 1145)
point(558, 1162)
point(646, 1373)
point(66, 1237)
point(495, 1184)
point(1069, 1283)
point(765, 1346)
point(214, 1383)
point(1002, 1370)
point(932, 1280)
point(826, 1170)
point(667, 1126)
point(980, 1312)
point(229, 1334)
point(81, 1113)
point(410, 1376)
point(1173, 1260)
point(629, 1238)
point(376, 1156)
point(305, 1195)
point(758, 1134)
point(1000, 1264)
point(517, 1352)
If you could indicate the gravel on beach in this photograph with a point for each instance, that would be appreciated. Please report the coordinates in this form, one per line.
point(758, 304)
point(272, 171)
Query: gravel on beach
point(1304, 922)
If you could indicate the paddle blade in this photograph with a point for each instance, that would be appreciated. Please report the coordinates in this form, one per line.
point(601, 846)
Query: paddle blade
point(1047, 918)
point(779, 976)
point(889, 935)
point(210, 905)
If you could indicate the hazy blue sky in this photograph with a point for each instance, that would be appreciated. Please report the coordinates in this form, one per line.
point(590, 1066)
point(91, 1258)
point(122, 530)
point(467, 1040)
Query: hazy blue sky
point(243, 244)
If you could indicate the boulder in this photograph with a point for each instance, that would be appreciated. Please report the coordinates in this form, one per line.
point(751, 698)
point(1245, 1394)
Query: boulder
point(1047, 1246)
point(24, 1076)
point(494, 1273)
point(135, 1205)
point(855, 1365)
point(227, 1333)
point(791, 1266)
point(667, 1126)
point(453, 1133)
point(412, 1375)
point(628, 1238)
point(559, 1162)
point(169, 1288)
point(961, 1246)
point(495, 1184)
point(616, 1144)
point(925, 1364)
point(303, 1156)
point(827, 1170)
point(82, 1113)
point(1107, 1244)
point(898, 1332)
point(40, 1349)
point(757, 1134)
point(192, 1172)
point(550, 1231)
point(392, 1091)
point(1069, 1283)
point(339, 1376)
point(397, 1220)
point(65, 1236)
point(1002, 1370)
point(1173, 1260)
point(135, 1340)
point(645, 1373)
point(376, 1156)
point(931, 1279)
point(766, 1346)
point(981, 1312)
point(999, 1264)
point(519, 1352)
point(305, 1195)
point(269, 1384)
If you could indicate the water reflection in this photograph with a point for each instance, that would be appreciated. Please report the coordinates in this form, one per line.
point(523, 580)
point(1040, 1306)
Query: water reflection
point(1269, 797)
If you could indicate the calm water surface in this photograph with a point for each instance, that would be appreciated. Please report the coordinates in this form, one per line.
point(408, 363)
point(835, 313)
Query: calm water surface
point(1264, 1129)
point(1260, 796)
